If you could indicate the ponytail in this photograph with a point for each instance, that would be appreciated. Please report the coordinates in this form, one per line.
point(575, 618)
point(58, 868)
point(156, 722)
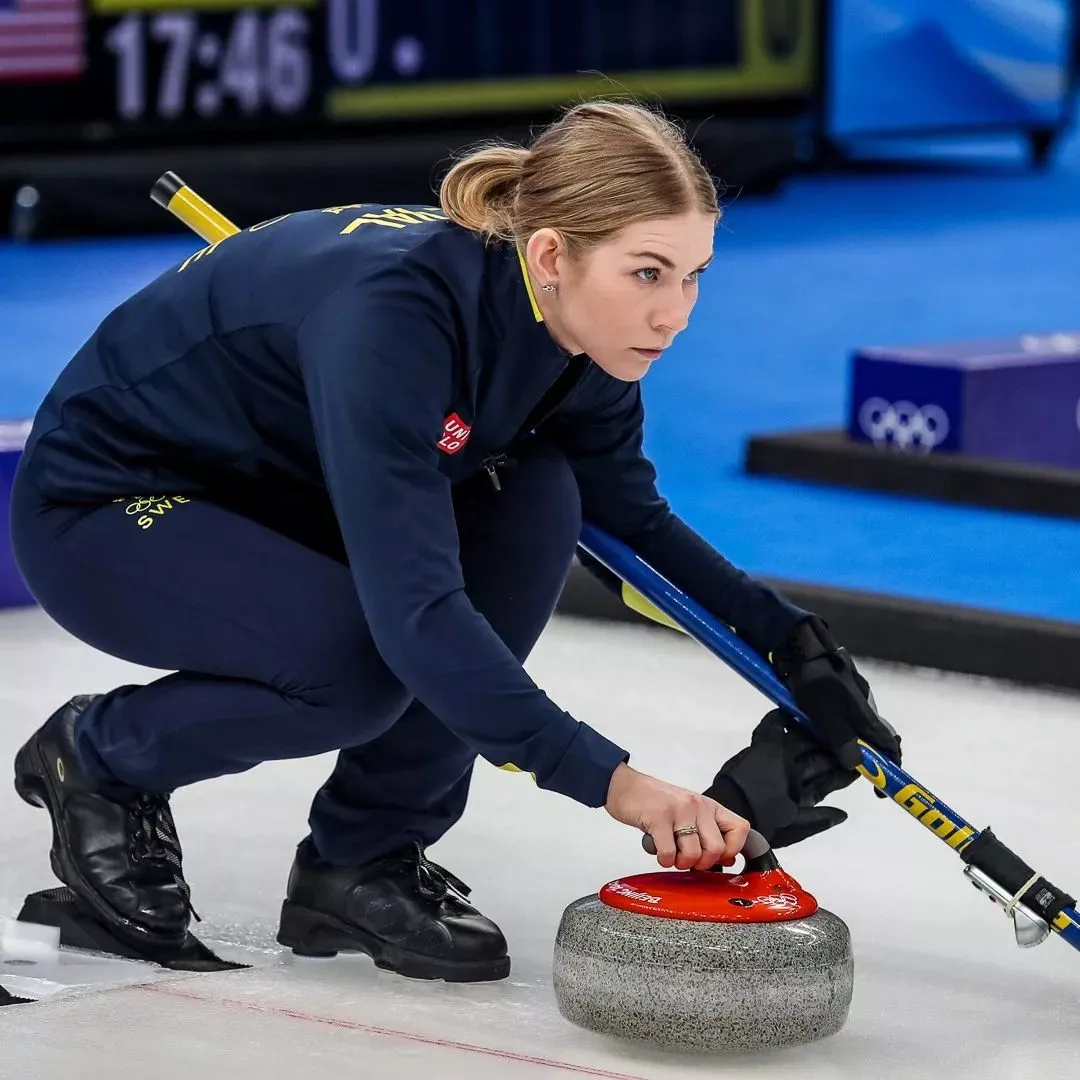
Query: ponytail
point(480, 190)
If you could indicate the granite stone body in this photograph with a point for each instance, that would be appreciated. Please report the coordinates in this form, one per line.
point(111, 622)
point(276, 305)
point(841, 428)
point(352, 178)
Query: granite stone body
point(702, 986)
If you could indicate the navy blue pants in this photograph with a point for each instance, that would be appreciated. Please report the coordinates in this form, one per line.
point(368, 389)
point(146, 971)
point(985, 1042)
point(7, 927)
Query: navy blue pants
point(256, 613)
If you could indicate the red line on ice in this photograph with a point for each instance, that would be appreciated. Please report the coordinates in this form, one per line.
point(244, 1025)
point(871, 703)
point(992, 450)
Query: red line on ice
point(370, 1029)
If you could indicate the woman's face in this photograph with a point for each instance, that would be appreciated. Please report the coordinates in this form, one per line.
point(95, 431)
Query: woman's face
point(624, 301)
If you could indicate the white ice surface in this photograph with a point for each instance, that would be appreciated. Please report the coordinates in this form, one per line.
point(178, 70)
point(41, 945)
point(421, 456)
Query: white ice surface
point(941, 990)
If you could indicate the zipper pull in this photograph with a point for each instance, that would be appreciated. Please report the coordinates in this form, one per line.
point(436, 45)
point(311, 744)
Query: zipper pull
point(491, 467)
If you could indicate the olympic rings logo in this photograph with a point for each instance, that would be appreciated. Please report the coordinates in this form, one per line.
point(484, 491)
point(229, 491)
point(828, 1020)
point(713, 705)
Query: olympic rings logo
point(142, 504)
point(903, 424)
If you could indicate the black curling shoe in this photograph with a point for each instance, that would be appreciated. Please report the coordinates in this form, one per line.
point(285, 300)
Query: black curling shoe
point(118, 853)
point(408, 914)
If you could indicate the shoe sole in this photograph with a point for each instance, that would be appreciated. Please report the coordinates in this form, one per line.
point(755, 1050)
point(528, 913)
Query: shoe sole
point(314, 933)
point(33, 784)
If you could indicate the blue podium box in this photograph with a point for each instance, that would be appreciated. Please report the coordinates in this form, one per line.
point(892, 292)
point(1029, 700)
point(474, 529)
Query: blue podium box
point(1014, 399)
point(13, 433)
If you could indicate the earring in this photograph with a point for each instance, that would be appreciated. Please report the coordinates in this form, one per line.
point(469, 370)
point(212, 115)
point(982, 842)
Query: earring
point(549, 287)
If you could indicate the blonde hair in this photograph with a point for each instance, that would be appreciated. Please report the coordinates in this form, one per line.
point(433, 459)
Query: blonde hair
point(600, 167)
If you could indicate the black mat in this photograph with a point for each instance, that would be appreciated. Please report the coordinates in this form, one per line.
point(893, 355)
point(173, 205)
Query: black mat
point(7, 998)
point(828, 456)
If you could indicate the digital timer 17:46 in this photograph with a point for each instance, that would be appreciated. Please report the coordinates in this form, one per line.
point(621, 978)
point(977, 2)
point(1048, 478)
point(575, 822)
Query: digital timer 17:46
point(177, 64)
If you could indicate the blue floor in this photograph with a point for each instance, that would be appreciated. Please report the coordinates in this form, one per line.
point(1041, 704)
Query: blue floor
point(800, 280)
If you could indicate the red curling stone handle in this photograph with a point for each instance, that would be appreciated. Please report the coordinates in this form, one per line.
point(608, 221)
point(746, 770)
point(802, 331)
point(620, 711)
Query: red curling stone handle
point(756, 851)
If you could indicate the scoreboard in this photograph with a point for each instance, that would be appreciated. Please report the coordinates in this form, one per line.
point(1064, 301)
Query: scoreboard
point(98, 72)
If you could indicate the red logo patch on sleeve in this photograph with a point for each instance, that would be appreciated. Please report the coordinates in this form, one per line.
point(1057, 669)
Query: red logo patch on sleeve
point(455, 434)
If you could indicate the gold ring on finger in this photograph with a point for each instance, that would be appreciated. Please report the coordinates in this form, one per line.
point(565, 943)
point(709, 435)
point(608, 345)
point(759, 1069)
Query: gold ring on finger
point(686, 830)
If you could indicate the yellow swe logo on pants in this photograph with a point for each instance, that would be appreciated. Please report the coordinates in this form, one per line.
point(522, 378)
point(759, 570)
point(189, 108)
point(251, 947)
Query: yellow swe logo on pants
point(146, 509)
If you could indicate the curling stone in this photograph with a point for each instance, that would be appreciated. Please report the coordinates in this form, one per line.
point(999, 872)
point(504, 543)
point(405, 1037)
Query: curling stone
point(705, 961)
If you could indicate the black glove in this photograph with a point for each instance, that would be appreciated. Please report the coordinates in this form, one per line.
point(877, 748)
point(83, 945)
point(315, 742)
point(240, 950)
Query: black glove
point(834, 696)
point(778, 780)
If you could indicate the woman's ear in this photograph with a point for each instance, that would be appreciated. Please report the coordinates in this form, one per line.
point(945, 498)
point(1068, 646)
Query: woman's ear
point(544, 254)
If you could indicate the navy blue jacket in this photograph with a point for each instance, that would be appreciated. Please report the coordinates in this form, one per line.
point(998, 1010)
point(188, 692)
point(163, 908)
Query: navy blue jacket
point(380, 354)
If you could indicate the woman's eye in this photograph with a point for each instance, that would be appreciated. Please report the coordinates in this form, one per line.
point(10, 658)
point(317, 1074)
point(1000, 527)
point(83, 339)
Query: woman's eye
point(650, 275)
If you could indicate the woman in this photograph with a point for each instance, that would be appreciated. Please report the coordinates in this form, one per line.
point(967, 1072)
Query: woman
point(373, 432)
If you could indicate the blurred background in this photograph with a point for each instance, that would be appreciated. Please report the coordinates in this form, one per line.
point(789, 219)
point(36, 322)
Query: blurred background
point(877, 404)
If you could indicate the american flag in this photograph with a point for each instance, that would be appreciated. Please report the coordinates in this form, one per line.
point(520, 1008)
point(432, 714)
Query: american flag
point(41, 39)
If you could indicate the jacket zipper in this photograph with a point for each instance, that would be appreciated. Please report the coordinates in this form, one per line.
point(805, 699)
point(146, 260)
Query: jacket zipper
point(562, 387)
